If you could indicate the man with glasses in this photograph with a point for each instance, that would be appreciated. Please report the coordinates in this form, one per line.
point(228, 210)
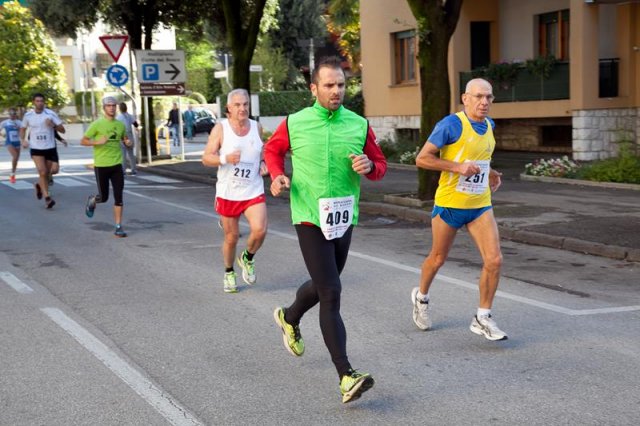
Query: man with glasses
point(105, 135)
point(460, 147)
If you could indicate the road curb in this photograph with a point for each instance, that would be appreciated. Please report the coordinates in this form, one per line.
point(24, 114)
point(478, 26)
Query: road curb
point(609, 185)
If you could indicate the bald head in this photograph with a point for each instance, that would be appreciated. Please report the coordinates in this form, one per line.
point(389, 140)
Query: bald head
point(477, 99)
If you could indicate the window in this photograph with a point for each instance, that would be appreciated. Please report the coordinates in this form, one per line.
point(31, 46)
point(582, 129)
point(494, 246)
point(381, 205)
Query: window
point(404, 44)
point(553, 34)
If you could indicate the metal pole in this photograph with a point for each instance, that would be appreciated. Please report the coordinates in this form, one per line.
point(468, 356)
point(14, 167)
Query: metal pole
point(147, 128)
point(311, 56)
point(226, 67)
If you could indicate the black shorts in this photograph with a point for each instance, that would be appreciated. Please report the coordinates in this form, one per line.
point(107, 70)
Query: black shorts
point(50, 154)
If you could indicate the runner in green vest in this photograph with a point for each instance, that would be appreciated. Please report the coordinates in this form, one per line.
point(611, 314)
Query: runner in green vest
point(331, 148)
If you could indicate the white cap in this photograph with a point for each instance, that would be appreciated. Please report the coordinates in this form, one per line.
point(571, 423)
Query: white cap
point(109, 100)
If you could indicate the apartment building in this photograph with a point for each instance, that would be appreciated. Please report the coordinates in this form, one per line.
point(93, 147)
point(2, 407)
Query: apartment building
point(589, 101)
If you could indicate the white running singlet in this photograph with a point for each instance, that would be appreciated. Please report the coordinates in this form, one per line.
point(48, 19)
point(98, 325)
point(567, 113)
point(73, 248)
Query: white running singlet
point(241, 181)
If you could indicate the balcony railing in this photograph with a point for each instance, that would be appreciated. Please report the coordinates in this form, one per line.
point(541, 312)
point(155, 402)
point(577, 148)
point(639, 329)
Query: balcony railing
point(530, 87)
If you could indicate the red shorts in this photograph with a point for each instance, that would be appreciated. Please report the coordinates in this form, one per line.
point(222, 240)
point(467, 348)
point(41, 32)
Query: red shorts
point(231, 208)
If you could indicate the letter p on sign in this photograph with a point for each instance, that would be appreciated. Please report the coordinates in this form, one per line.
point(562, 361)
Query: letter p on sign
point(150, 72)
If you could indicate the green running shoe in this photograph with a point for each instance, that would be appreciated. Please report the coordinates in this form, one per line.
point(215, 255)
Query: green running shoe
point(230, 282)
point(248, 269)
point(354, 384)
point(290, 333)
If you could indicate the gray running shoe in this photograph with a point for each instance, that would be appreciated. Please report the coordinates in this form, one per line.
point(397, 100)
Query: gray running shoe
point(486, 326)
point(119, 232)
point(90, 207)
point(420, 311)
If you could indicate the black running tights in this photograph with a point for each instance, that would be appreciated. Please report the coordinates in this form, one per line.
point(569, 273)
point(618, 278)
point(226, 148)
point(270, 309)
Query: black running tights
point(112, 174)
point(325, 260)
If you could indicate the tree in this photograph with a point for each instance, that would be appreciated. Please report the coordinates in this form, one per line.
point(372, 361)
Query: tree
point(242, 26)
point(29, 62)
point(298, 20)
point(437, 21)
point(200, 63)
point(343, 22)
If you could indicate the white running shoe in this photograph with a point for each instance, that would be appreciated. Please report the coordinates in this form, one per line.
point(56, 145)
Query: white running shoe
point(420, 311)
point(486, 326)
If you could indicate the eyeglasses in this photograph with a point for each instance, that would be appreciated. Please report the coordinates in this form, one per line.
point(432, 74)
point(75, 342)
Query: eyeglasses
point(480, 97)
point(113, 105)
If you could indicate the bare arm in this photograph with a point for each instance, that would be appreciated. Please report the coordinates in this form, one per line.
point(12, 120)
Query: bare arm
point(211, 156)
point(85, 141)
point(429, 159)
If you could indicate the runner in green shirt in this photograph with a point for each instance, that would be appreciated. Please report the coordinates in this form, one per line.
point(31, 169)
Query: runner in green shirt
point(104, 135)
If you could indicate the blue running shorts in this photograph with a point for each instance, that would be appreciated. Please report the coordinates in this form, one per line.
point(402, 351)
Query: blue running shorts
point(457, 218)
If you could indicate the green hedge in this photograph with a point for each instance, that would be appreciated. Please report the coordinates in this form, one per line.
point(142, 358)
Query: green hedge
point(284, 102)
point(288, 102)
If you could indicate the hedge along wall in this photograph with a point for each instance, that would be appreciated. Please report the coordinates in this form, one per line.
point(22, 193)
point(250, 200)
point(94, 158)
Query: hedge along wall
point(284, 102)
point(287, 102)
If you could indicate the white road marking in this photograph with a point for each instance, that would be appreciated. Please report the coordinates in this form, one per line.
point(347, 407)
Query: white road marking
point(69, 182)
point(19, 185)
point(13, 282)
point(396, 265)
point(159, 399)
point(158, 179)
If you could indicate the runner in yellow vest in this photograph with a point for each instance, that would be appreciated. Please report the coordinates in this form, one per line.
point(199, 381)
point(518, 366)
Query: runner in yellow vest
point(461, 146)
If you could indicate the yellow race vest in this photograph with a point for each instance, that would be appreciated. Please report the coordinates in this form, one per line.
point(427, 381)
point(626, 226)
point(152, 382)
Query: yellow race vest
point(457, 191)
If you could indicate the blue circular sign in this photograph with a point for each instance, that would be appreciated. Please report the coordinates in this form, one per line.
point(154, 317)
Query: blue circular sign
point(117, 75)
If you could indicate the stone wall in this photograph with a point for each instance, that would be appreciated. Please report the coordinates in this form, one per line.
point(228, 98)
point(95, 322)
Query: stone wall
point(385, 127)
point(596, 133)
point(527, 135)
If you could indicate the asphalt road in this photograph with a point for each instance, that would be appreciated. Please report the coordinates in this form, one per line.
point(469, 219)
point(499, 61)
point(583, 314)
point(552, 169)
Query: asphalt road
point(99, 330)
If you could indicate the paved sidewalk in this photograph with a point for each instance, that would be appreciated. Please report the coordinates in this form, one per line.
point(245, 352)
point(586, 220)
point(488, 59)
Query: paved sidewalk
point(597, 220)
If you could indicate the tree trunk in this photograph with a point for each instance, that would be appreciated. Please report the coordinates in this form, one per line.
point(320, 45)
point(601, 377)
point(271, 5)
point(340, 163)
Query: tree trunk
point(437, 21)
point(242, 36)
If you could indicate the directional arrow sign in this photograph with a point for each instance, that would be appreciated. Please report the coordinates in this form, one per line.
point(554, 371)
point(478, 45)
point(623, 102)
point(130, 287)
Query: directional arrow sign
point(114, 44)
point(162, 89)
point(161, 66)
point(117, 75)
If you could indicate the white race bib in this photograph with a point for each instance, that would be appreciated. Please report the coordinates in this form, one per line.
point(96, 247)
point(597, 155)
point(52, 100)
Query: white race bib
point(336, 215)
point(41, 137)
point(478, 183)
point(242, 175)
point(14, 136)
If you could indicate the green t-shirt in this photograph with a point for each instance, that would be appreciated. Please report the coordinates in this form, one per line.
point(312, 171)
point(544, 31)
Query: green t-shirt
point(108, 154)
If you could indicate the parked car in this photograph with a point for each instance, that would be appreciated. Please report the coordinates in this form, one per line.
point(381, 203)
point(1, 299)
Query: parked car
point(204, 121)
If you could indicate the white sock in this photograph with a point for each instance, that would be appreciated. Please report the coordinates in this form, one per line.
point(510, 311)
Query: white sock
point(422, 297)
point(483, 312)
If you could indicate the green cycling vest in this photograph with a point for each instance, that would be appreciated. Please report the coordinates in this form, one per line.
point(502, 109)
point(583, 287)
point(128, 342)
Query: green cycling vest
point(321, 142)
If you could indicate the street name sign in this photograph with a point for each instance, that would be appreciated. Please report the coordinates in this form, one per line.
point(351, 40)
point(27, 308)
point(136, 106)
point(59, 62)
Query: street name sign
point(114, 44)
point(162, 89)
point(161, 66)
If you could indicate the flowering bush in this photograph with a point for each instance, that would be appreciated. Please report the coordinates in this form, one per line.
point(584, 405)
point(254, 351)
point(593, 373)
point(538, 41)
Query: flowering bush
point(555, 167)
point(409, 157)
